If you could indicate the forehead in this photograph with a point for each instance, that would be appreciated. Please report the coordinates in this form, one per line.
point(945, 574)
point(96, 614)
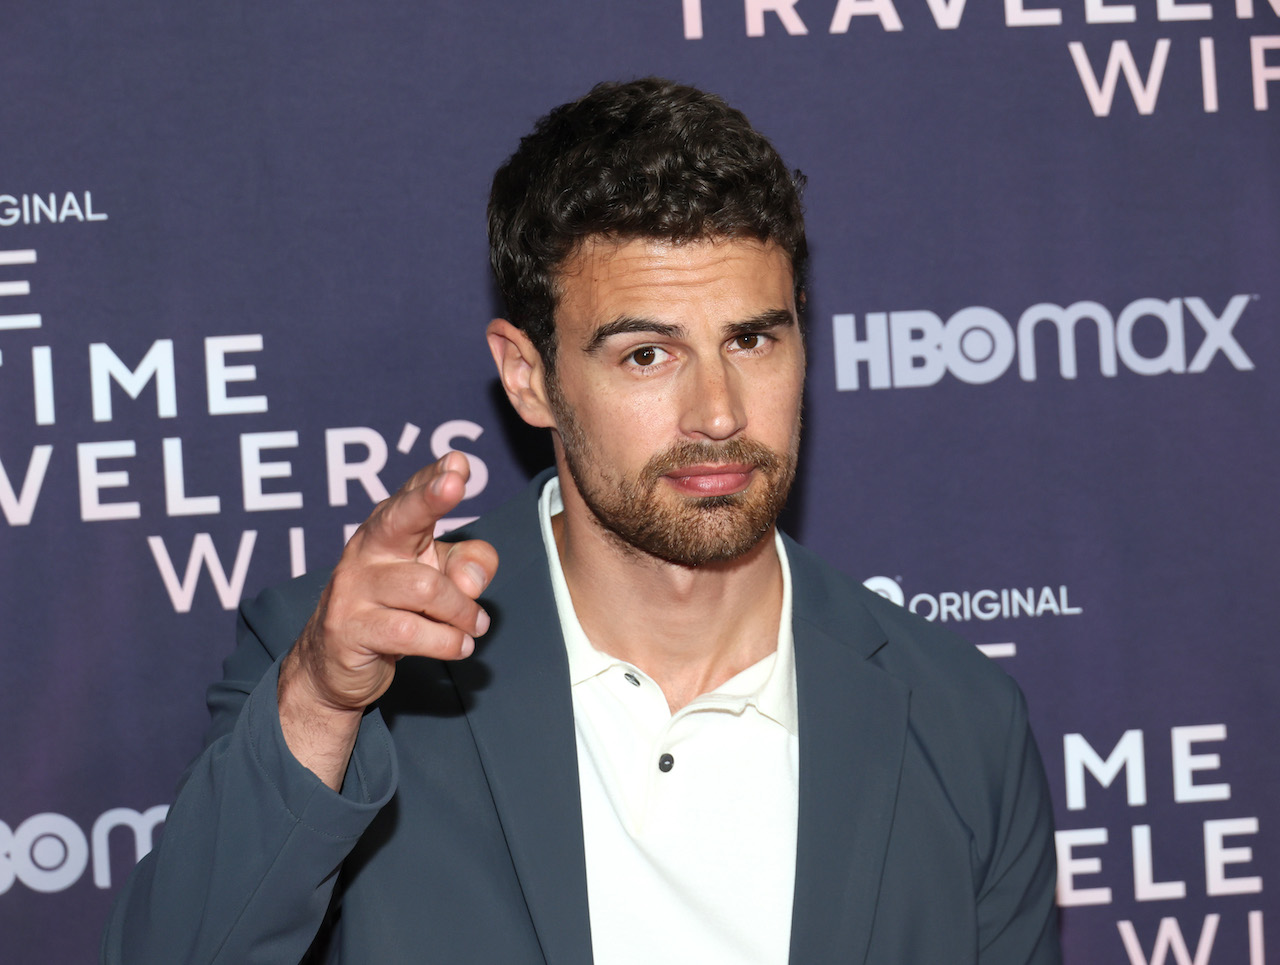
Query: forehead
point(716, 281)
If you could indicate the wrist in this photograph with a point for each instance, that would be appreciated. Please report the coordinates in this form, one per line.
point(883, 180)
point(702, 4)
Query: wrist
point(320, 735)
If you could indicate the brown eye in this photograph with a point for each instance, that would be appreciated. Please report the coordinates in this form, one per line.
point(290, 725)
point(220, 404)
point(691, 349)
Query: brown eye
point(748, 341)
point(644, 356)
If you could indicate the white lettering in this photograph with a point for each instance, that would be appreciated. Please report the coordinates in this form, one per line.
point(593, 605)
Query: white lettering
point(47, 853)
point(143, 827)
point(297, 551)
point(49, 209)
point(1144, 91)
point(947, 13)
point(254, 470)
point(989, 604)
point(365, 471)
point(1173, 10)
point(692, 19)
point(1217, 334)
point(1069, 866)
point(916, 348)
point(176, 500)
point(203, 554)
point(90, 214)
point(1217, 856)
point(93, 481)
point(442, 442)
point(874, 350)
point(17, 256)
point(105, 365)
point(1262, 74)
point(1209, 75)
point(1097, 11)
point(1169, 938)
point(978, 345)
point(1185, 764)
point(986, 605)
point(70, 208)
point(219, 374)
point(924, 598)
point(1145, 887)
point(1244, 10)
point(916, 337)
point(1257, 948)
point(1048, 603)
point(785, 9)
point(848, 9)
point(1127, 755)
point(1065, 321)
point(42, 383)
point(1172, 357)
point(19, 507)
point(1017, 15)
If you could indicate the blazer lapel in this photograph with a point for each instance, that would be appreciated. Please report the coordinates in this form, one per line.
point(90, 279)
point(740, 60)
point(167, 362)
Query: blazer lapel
point(520, 709)
point(853, 725)
point(853, 728)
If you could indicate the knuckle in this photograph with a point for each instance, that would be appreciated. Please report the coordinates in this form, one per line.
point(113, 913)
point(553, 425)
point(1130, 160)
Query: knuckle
point(429, 585)
point(343, 581)
point(400, 627)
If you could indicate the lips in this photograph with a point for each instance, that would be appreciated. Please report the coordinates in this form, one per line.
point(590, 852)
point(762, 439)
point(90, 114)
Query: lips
point(718, 479)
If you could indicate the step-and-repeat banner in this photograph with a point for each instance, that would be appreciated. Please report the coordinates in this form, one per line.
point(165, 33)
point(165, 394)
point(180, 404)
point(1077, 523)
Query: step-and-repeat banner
point(243, 286)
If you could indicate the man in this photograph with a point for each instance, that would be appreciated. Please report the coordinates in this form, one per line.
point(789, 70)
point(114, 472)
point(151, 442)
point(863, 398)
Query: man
point(680, 737)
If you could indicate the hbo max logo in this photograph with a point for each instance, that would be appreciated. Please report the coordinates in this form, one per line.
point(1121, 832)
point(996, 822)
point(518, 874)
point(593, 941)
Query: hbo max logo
point(49, 852)
point(978, 345)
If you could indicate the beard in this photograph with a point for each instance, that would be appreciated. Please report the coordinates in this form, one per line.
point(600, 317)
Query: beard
point(687, 530)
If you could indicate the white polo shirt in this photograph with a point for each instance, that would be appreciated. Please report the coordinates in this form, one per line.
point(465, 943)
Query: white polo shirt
point(689, 819)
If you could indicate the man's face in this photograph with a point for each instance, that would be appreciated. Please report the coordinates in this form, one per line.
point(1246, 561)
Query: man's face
point(676, 394)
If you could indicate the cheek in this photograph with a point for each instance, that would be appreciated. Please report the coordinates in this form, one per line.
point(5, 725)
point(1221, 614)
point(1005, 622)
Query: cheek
point(632, 410)
point(778, 402)
point(625, 428)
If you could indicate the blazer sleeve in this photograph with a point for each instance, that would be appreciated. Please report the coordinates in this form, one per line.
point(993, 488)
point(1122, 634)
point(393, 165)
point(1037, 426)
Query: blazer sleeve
point(1017, 913)
point(251, 847)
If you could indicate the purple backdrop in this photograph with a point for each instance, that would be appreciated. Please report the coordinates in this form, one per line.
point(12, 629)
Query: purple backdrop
point(243, 283)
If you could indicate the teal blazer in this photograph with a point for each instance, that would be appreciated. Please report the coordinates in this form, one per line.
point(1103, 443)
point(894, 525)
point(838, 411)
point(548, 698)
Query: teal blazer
point(925, 831)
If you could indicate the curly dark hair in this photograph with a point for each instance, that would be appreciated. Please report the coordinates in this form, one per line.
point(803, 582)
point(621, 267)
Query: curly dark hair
point(644, 159)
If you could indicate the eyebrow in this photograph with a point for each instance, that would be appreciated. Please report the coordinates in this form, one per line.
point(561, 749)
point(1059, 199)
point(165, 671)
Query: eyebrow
point(771, 319)
point(634, 324)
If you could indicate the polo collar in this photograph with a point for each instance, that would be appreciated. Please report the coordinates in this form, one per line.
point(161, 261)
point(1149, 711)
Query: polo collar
point(769, 685)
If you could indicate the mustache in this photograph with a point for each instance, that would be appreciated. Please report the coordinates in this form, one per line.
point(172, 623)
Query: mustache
point(690, 453)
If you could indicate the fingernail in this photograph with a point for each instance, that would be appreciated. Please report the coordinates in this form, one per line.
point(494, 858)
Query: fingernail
point(482, 624)
point(478, 576)
point(437, 484)
point(468, 646)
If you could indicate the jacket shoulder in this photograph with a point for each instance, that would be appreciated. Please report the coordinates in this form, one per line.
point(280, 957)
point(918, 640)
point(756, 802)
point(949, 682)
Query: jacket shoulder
point(919, 653)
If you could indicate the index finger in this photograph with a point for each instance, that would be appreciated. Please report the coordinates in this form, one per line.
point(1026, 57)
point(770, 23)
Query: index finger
point(404, 525)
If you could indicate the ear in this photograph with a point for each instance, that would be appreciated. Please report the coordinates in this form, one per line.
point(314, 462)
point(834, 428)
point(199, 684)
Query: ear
point(521, 370)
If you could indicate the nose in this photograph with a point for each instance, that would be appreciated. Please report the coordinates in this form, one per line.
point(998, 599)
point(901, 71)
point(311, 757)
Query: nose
point(713, 406)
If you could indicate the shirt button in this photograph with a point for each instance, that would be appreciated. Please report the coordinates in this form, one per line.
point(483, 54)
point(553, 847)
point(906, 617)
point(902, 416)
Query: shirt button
point(666, 762)
point(631, 679)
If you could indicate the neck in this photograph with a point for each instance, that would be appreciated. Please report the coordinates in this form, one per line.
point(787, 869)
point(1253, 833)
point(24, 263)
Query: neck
point(690, 628)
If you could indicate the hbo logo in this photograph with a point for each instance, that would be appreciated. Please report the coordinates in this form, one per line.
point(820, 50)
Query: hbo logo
point(978, 345)
point(887, 587)
point(49, 852)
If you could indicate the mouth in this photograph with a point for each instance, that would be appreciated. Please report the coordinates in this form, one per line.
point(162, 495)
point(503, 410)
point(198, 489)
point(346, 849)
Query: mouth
point(710, 479)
